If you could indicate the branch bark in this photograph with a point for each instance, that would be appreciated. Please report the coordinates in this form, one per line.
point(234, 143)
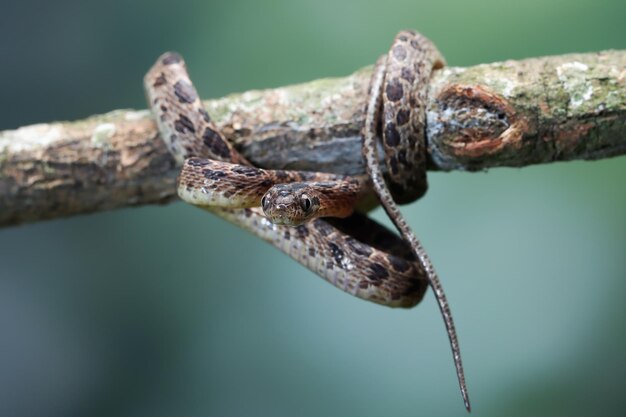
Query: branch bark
point(512, 113)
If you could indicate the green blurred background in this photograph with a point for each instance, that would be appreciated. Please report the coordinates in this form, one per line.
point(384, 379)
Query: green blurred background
point(161, 311)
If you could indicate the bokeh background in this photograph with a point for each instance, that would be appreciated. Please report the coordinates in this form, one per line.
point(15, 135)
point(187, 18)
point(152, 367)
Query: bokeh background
point(161, 311)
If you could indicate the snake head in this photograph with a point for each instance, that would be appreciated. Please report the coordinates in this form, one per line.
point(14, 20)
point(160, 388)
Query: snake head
point(290, 204)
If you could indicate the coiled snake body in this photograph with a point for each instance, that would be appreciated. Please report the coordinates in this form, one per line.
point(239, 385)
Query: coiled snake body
point(353, 252)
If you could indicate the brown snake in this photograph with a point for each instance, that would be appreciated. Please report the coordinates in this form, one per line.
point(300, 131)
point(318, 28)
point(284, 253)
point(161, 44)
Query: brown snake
point(354, 252)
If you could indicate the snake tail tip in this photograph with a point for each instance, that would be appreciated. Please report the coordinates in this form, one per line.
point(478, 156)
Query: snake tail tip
point(468, 407)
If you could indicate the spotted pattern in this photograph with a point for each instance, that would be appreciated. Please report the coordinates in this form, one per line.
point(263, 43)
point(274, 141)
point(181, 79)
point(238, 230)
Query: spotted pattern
point(412, 57)
point(348, 252)
point(180, 115)
point(183, 124)
point(409, 64)
point(185, 92)
point(214, 176)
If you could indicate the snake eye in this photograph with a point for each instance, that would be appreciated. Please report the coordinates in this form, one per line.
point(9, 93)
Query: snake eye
point(305, 202)
point(264, 203)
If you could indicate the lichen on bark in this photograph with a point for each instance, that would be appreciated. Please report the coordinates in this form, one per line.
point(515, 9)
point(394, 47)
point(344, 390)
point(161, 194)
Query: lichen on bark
point(512, 113)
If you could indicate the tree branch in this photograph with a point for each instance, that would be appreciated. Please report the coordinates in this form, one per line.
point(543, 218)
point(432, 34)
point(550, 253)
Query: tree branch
point(513, 113)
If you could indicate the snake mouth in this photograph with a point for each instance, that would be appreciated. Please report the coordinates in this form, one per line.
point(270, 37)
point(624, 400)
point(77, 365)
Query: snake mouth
point(283, 221)
point(277, 214)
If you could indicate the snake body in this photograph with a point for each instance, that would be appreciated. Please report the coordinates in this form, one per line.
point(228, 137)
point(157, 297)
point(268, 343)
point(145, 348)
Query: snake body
point(400, 83)
point(398, 89)
point(354, 252)
point(307, 195)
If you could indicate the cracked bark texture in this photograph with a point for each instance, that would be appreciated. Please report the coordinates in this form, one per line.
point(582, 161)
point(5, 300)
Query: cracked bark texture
point(513, 113)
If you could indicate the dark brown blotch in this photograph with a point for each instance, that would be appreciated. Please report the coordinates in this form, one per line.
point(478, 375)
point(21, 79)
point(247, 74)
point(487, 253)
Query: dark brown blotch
point(198, 162)
point(247, 171)
point(358, 247)
point(213, 174)
point(399, 52)
point(378, 272)
point(394, 90)
point(160, 80)
point(302, 231)
point(336, 253)
point(407, 74)
point(398, 264)
point(403, 117)
point(171, 58)
point(392, 137)
point(216, 143)
point(287, 234)
point(183, 124)
point(185, 92)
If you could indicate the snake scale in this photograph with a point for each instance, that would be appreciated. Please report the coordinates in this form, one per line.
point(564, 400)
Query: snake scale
point(291, 209)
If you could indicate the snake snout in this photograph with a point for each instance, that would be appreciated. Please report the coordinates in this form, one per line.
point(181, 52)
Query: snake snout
point(280, 214)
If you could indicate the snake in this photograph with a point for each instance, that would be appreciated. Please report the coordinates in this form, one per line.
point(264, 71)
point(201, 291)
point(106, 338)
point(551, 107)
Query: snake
point(319, 219)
